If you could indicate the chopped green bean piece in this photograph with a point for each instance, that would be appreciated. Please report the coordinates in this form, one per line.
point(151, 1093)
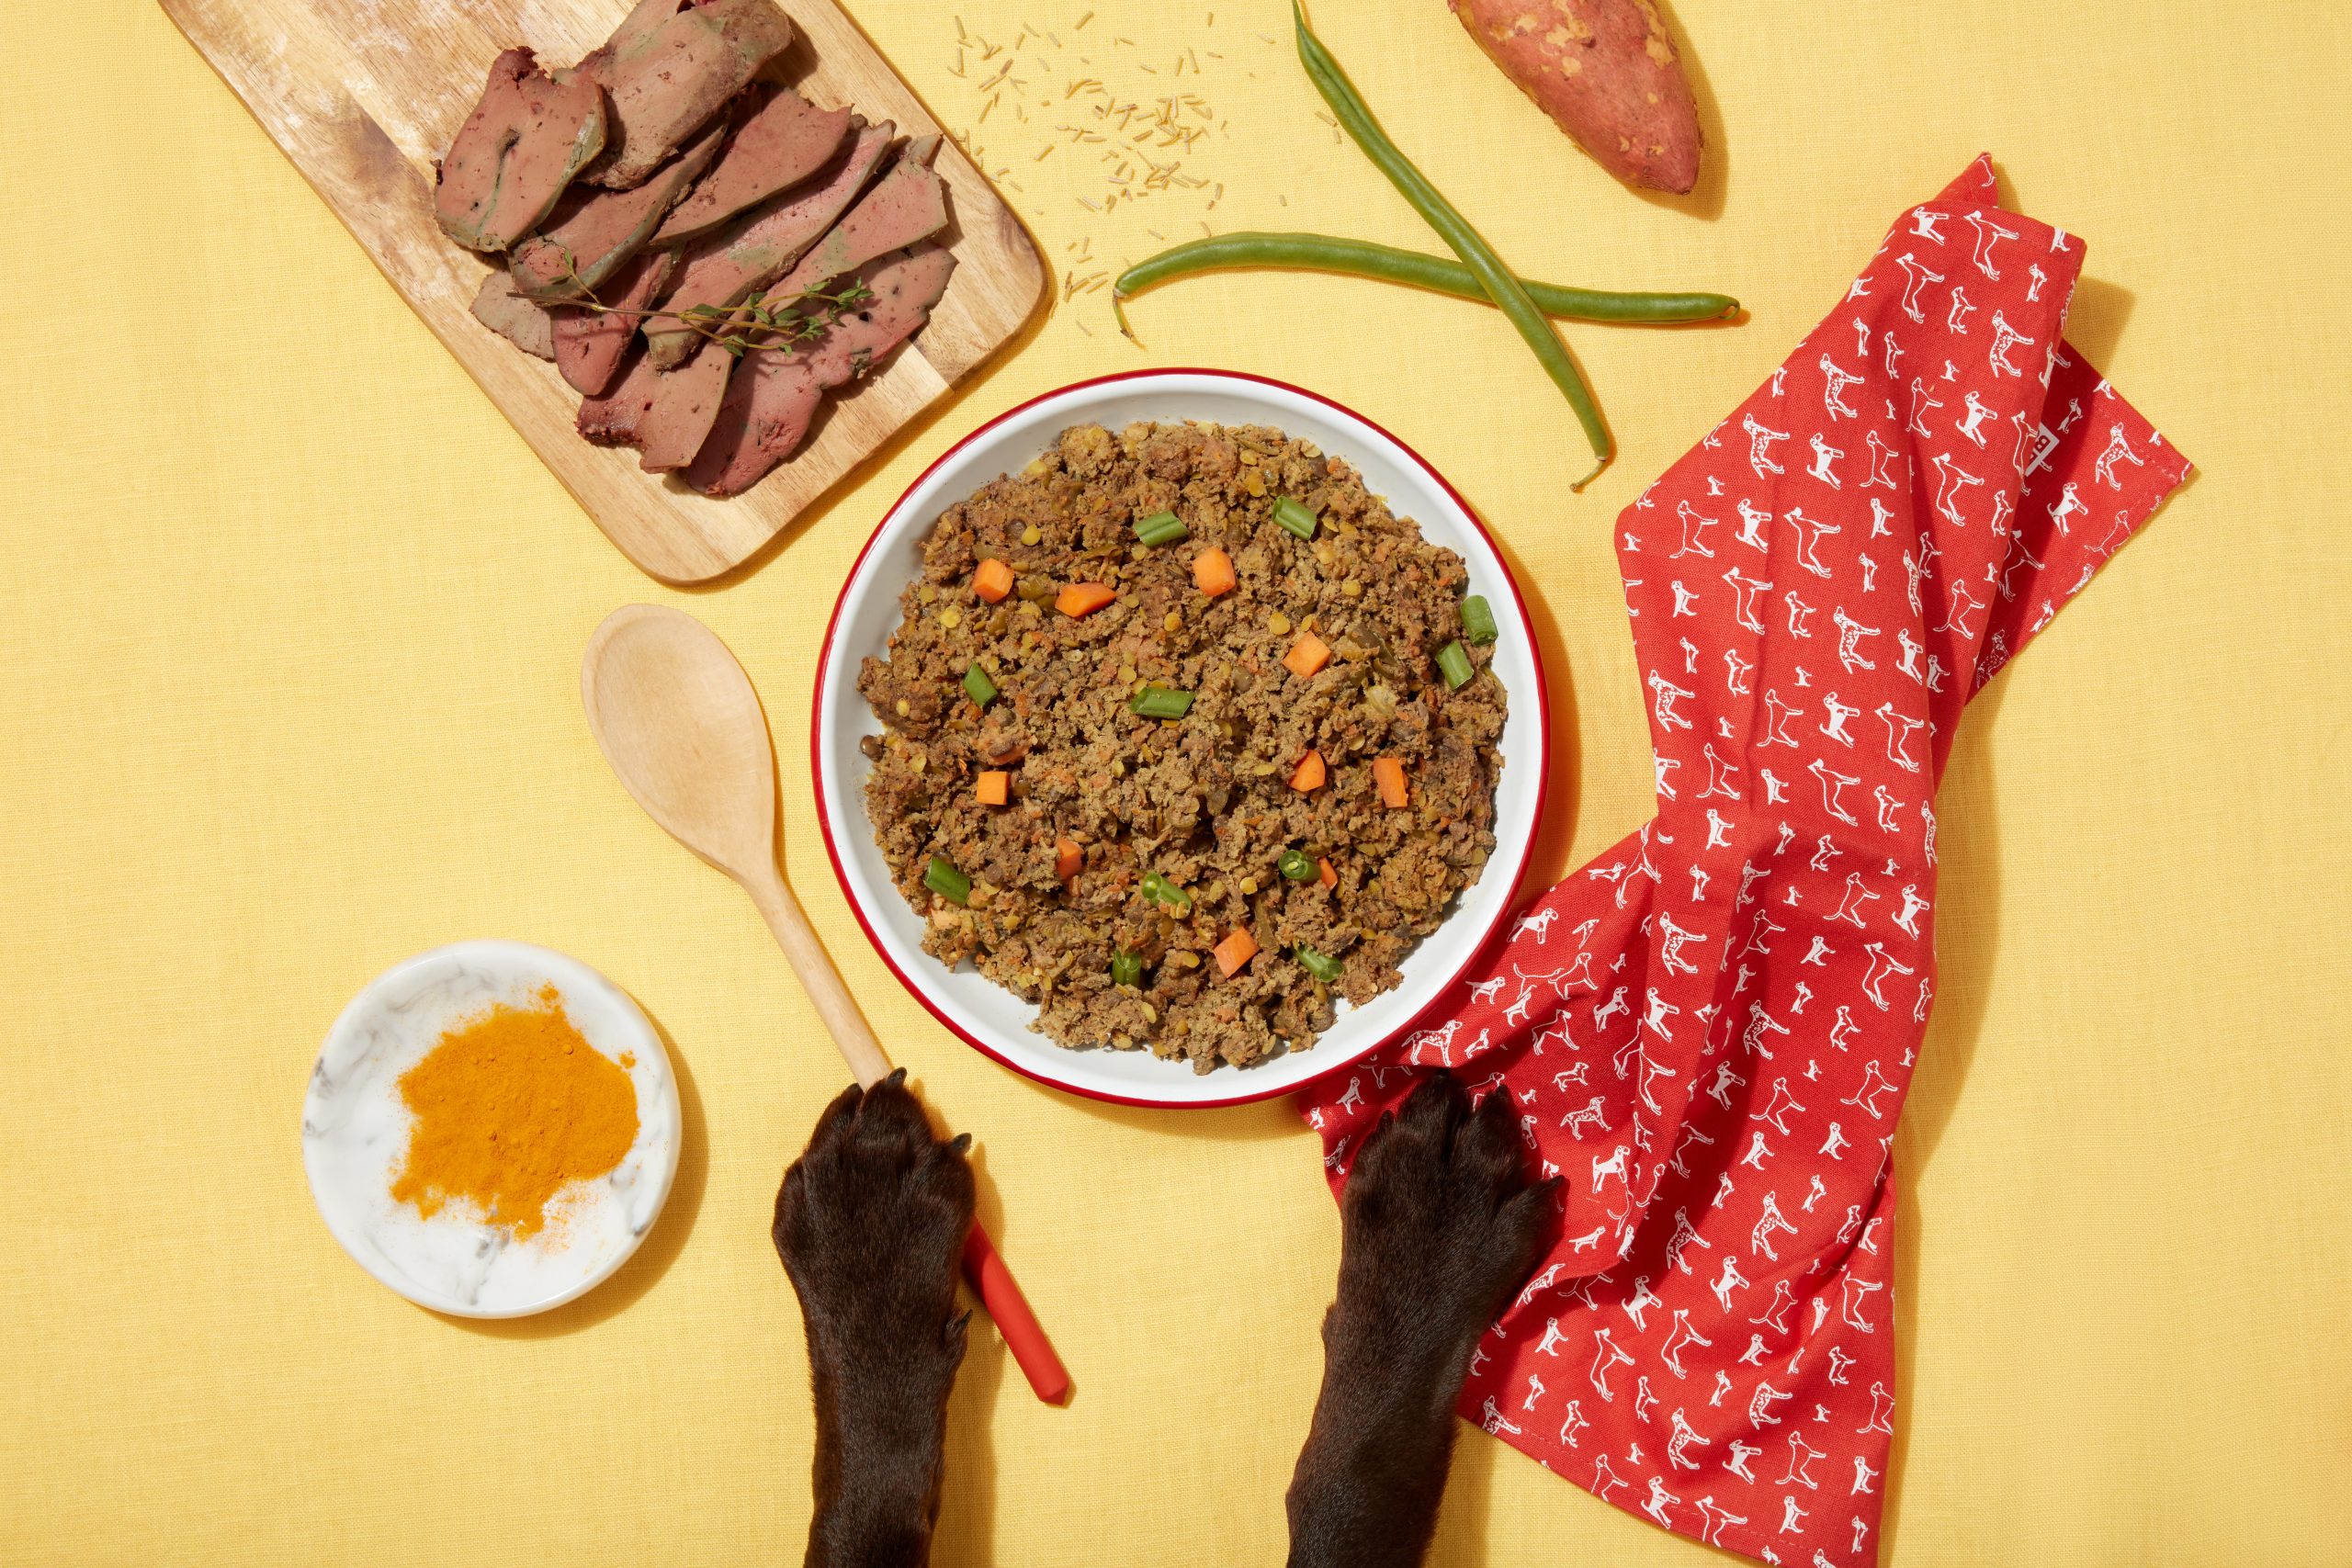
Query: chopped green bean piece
point(1294, 517)
point(1158, 888)
point(944, 879)
point(978, 686)
point(1159, 702)
point(1327, 970)
point(1454, 665)
point(1161, 528)
point(1297, 866)
point(1479, 620)
point(1126, 969)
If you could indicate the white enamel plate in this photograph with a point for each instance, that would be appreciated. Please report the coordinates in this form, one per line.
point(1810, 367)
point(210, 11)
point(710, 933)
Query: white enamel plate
point(995, 1020)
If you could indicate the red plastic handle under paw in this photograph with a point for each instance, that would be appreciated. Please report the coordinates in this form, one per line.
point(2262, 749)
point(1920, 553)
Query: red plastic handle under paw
point(1009, 1308)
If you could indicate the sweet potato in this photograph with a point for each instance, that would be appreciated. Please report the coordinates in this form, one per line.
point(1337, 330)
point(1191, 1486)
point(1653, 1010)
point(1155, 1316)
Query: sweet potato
point(1607, 72)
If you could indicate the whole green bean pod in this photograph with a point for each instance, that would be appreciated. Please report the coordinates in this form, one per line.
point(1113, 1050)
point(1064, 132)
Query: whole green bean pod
point(1247, 250)
point(1502, 288)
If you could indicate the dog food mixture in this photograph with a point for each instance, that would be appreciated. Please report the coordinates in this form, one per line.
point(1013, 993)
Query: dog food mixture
point(1185, 735)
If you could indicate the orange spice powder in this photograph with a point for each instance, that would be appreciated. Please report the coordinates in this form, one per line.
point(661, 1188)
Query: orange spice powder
point(511, 1107)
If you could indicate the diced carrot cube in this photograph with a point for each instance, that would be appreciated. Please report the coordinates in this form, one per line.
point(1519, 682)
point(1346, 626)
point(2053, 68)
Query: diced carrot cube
point(1066, 858)
point(993, 581)
point(1309, 774)
point(996, 788)
point(1083, 599)
point(1235, 951)
point(1308, 655)
point(1213, 572)
point(1388, 773)
point(1324, 875)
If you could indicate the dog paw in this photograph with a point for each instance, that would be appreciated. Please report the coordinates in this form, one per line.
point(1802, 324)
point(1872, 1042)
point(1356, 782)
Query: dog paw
point(869, 1222)
point(1439, 1221)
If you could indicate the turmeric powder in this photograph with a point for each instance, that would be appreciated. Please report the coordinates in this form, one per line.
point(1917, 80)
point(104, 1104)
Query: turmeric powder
point(509, 1108)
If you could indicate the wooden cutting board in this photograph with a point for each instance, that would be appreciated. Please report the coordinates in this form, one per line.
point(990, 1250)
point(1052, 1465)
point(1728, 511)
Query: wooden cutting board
point(364, 94)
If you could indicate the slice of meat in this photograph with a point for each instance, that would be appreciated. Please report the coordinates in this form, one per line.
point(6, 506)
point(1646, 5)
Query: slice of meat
point(613, 418)
point(665, 414)
point(513, 317)
point(780, 140)
point(593, 232)
point(773, 395)
point(908, 204)
point(589, 344)
point(685, 404)
point(731, 266)
point(527, 136)
point(667, 77)
point(644, 19)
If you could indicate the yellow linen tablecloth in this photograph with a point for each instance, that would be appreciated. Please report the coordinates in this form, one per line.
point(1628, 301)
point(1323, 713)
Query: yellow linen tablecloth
point(289, 622)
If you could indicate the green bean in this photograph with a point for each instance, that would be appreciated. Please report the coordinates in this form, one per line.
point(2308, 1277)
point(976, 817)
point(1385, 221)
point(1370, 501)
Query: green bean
point(1324, 252)
point(1479, 620)
point(1503, 289)
point(942, 877)
point(1454, 665)
point(978, 686)
point(1160, 702)
point(1158, 888)
point(1297, 865)
point(1327, 970)
point(1161, 528)
point(1295, 516)
point(1126, 969)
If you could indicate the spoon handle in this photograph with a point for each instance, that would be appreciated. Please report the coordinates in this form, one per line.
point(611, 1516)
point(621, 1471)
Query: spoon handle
point(983, 1266)
point(819, 978)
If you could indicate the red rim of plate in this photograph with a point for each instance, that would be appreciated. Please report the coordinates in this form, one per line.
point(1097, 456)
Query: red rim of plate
point(1476, 950)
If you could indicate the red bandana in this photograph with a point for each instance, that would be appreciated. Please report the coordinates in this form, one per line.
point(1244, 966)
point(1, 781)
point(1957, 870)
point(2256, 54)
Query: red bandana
point(1708, 1031)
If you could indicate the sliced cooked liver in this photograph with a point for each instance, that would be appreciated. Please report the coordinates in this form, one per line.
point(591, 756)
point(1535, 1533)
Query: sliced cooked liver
point(685, 403)
point(666, 78)
point(525, 139)
point(613, 418)
point(727, 267)
point(593, 232)
point(908, 204)
point(589, 344)
point(773, 395)
point(513, 317)
point(665, 414)
point(779, 140)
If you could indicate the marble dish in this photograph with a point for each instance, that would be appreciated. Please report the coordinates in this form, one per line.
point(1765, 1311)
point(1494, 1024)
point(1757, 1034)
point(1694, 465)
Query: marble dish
point(355, 1131)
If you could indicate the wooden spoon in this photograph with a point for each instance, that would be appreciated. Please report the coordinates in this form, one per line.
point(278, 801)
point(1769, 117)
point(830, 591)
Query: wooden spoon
point(679, 722)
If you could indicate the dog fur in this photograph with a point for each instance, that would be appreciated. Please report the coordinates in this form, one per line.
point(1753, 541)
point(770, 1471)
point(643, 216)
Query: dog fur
point(1439, 1225)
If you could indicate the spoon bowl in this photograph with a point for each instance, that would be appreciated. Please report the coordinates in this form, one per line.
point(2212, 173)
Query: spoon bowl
point(679, 722)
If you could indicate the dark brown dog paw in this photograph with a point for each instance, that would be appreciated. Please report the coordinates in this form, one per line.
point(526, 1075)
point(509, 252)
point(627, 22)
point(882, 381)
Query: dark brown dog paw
point(869, 1222)
point(1439, 1221)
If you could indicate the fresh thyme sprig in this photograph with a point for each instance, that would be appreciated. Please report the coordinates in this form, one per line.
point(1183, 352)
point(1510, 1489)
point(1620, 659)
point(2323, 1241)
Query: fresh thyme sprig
point(762, 321)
